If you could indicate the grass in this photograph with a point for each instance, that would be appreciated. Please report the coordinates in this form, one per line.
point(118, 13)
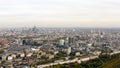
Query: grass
point(112, 64)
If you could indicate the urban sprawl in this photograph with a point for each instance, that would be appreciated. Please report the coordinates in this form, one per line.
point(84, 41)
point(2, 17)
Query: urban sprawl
point(43, 47)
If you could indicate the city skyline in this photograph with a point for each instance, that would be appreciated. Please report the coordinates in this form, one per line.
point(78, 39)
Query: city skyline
point(60, 13)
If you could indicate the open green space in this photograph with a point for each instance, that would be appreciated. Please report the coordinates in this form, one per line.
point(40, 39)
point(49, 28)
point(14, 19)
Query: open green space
point(104, 61)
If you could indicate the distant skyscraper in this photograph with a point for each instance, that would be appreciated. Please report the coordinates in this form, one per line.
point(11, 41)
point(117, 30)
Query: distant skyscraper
point(24, 42)
point(70, 40)
point(34, 29)
point(61, 42)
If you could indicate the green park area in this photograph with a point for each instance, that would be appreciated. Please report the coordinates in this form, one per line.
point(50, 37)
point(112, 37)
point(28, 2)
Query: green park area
point(113, 64)
point(104, 61)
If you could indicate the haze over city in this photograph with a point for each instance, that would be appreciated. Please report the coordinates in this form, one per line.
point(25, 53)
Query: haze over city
point(60, 13)
point(59, 33)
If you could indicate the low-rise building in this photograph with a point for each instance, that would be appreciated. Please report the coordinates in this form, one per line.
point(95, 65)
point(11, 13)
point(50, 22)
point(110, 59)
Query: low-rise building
point(29, 55)
point(77, 54)
point(51, 56)
point(9, 58)
point(3, 57)
point(21, 55)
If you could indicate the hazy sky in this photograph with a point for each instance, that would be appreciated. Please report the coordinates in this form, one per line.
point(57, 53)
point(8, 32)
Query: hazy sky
point(66, 13)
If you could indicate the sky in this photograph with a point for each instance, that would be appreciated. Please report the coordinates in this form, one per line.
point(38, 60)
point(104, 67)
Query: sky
point(60, 13)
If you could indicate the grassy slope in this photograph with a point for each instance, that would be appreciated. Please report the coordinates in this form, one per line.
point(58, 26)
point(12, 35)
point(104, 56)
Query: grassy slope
point(112, 63)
